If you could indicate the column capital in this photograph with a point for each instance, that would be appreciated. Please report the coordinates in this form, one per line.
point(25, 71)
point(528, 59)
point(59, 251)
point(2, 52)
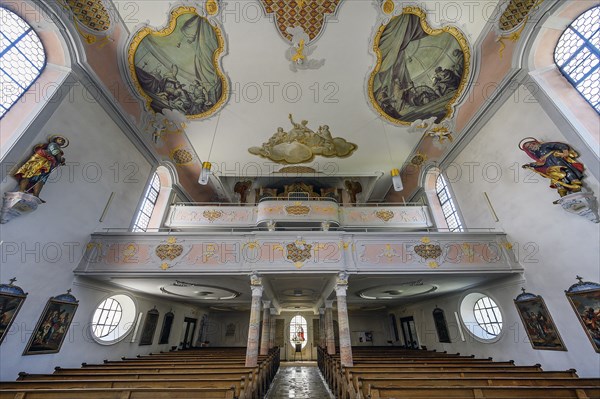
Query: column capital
point(321, 311)
point(273, 312)
point(342, 278)
point(257, 290)
point(329, 304)
point(266, 304)
point(340, 290)
point(255, 279)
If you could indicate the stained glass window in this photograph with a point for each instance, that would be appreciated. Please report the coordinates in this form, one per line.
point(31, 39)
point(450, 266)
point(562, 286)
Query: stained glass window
point(298, 331)
point(22, 58)
point(577, 55)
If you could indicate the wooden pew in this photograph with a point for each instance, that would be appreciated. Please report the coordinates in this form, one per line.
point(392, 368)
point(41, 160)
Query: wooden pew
point(481, 392)
point(188, 374)
point(120, 393)
point(363, 384)
point(239, 385)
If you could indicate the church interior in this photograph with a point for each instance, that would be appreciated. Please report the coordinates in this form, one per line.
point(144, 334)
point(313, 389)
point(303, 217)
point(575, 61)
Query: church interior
point(378, 198)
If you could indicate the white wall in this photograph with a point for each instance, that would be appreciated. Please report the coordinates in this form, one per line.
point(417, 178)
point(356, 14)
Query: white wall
point(375, 322)
point(217, 328)
point(552, 245)
point(42, 249)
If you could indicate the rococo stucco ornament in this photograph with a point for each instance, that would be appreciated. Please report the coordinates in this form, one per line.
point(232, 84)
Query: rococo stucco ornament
point(302, 144)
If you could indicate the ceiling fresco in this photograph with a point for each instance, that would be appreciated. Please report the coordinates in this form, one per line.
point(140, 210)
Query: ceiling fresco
point(420, 71)
point(395, 77)
point(178, 67)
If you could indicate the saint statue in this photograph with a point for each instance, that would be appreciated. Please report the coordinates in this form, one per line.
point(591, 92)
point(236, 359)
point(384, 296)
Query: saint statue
point(34, 173)
point(555, 161)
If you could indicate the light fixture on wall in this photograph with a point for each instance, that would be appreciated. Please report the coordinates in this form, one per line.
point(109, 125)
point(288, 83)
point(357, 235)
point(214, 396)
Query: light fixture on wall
point(206, 166)
point(395, 172)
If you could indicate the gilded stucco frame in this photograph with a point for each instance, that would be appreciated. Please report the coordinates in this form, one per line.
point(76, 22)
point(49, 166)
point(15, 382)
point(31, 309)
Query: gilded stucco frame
point(175, 14)
point(452, 30)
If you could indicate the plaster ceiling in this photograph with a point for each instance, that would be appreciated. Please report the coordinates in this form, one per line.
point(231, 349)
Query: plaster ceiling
point(302, 292)
point(264, 90)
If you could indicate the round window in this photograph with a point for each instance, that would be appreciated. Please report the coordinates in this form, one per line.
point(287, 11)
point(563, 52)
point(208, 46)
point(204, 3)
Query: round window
point(113, 319)
point(481, 315)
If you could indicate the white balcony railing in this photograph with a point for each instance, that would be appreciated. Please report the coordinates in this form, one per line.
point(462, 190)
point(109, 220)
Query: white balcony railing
point(278, 213)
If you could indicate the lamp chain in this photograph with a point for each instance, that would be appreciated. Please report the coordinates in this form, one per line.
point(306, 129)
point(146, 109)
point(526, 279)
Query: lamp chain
point(213, 139)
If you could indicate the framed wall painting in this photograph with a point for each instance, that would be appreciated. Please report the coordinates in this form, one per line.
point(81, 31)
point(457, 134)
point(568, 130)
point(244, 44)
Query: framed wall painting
point(584, 297)
point(11, 300)
point(53, 325)
point(149, 327)
point(539, 326)
point(440, 325)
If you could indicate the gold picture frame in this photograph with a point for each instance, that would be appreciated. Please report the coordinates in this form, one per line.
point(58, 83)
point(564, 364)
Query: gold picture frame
point(144, 33)
point(377, 100)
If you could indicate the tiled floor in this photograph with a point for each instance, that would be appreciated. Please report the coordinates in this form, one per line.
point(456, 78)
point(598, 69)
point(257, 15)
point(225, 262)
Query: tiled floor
point(298, 381)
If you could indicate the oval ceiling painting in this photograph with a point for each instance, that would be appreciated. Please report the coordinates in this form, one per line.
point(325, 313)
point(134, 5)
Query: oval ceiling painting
point(178, 67)
point(420, 71)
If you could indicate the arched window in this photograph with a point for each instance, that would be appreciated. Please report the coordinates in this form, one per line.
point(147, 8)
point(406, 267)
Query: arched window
point(155, 202)
point(22, 58)
point(142, 219)
point(298, 331)
point(449, 208)
point(577, 55)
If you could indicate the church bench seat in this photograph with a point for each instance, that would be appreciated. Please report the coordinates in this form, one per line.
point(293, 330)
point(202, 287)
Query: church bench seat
point(362, 384)
point(239, 384)
point(120, 393)
point(481, 392)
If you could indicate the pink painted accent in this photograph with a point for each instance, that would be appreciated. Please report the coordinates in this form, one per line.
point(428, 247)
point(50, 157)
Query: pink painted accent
point(330, 337)
point(266, 330)
point(252, 347)
point(345, 342)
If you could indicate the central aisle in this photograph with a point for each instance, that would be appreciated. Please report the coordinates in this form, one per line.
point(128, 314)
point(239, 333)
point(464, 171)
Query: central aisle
point(300, 380)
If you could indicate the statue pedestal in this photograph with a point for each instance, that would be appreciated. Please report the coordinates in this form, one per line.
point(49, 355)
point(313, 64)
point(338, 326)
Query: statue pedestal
point(583, 204)
point(16, 204)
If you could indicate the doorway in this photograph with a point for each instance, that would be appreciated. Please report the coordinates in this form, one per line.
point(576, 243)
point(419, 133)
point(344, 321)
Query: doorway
point(189, 327)
point(409, 332)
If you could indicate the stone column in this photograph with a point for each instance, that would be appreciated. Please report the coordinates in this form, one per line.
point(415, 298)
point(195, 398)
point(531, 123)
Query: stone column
point(330, 337)
point(252, 348)
point(272, 332)
point(322, 327)
point(266, 329)
point(345, 343)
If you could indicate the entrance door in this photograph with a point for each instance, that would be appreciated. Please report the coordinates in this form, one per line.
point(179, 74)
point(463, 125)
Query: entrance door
point(189, 326)
point(409, 332)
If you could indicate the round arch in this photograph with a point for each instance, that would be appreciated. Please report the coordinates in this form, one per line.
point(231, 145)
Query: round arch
point(23, 119)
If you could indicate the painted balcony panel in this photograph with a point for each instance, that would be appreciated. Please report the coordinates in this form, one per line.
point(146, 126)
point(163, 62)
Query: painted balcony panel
point(282, 251)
